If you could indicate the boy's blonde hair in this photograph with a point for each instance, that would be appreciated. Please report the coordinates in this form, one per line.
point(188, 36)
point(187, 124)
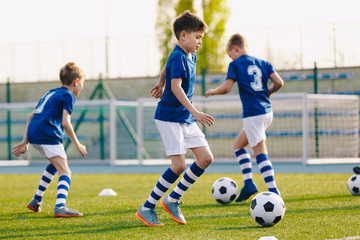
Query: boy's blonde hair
point(188, 22)
point(70, 72)
point(237, 40)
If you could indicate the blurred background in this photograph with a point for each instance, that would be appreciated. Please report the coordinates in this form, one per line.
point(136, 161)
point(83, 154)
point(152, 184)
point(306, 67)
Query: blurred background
point(122, 45)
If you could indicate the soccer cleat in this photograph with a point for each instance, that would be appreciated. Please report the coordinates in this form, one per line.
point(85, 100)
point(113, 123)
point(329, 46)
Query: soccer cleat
point(66, 212)
point(356, 170)
point(173, 208)
point(275, 190)
point(246, 192)
point(34, 205)
point(149, 217)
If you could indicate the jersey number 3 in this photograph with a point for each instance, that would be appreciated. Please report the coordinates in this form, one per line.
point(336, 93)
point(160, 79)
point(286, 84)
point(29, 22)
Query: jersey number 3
point(255, 71)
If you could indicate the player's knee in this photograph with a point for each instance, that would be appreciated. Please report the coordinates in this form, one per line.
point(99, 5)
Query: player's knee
point(179, 168)
point(206, 161)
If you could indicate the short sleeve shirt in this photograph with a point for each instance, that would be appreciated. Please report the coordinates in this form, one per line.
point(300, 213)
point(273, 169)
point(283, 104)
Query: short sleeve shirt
point(252, 75)
point(45, 126)
point(178, 65)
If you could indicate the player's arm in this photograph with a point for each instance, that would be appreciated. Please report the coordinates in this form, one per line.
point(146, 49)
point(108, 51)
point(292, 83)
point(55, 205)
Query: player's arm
point(222, 89)
point(22, 147)
point(278, 82)
point(66, 123)
point(201, 117)
point(158, 89)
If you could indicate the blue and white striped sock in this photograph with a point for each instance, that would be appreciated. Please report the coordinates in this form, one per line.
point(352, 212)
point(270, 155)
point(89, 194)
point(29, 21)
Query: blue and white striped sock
point(189, 178)
point(46, 178)
point(164, 183)
point(243, 156)
point(267, 172)
point(62, 190)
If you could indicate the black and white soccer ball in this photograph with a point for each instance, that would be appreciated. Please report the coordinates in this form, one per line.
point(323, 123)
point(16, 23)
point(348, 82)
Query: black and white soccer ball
point(354, 185)
point(267, 208)
point(224, 190)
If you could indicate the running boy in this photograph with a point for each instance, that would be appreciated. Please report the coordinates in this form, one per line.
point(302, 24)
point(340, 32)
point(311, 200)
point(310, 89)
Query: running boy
point(175, 118)
point(45, 131)
point(252, 76)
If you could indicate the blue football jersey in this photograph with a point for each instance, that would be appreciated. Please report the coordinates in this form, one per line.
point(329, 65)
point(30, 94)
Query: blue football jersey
point(178, 65)
point(45, 126)
point(252, 75)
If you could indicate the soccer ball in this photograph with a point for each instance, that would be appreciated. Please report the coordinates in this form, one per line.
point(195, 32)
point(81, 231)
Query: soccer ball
point(224, 190)
point(267, 209)
point(354, 185)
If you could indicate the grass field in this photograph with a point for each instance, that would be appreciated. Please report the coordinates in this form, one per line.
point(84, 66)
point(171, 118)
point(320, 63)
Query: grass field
point(318, 206)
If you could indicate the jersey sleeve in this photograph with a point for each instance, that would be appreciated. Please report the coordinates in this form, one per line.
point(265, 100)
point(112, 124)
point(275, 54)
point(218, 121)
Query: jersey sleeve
point(270, 68)
point(231, 73)
point(178, 69)
point(68, 102)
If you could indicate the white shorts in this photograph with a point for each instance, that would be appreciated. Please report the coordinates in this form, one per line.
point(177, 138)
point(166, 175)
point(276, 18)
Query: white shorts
point(178, 137)
point(256, 126)
point(50, 151)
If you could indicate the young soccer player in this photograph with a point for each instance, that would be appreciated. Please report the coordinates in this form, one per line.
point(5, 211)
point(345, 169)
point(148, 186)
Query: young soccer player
point(252, 76)
point(45, 131)
point(175, 118)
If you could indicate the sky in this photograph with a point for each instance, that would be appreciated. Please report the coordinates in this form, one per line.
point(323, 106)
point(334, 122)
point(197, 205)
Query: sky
point(42, 21)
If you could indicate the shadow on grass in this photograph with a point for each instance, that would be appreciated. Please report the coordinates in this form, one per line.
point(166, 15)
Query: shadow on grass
point(315, 198)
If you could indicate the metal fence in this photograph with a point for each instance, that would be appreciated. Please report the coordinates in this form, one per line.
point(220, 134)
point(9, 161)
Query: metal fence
point(297, 47)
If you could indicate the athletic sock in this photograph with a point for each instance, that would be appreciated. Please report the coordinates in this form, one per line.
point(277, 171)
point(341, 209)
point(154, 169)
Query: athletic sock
point(62, 190)
point(244, 159)
point(46, 178)
point(164, 183)
point(189, 178)
point(267, 172)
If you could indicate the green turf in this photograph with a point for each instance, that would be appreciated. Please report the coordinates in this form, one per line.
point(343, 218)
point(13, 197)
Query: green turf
point(318, 206)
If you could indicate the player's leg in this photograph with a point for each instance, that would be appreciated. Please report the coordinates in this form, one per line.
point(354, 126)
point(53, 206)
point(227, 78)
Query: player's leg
point(171, 203)
point(146, 212)
point(172, 138)
point(244, 159)
point(265, 167)
point(48, 175)
point(63, 187)
point(196, 142)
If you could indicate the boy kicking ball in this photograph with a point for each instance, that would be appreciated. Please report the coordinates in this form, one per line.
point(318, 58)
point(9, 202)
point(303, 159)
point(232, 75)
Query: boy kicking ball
point(175, 118)
point(45, 131)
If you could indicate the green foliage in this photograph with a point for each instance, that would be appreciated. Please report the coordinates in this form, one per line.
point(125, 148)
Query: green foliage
point(212, 54)
point(318, 206)
point(215, 13)
point(163, 26)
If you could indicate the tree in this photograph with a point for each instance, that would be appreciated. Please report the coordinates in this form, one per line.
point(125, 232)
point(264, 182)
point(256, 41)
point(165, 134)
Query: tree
point(212, 53)
point(165, 15)
point(215, 13)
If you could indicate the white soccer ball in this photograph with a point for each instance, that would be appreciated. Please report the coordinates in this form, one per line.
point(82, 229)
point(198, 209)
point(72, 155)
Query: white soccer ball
point(267, 208)
point(354, 185)
point(224, 190)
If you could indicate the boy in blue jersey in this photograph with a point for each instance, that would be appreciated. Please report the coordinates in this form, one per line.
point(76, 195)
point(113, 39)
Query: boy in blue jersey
point(175, 118)
point(252, 76)
point(45, 131)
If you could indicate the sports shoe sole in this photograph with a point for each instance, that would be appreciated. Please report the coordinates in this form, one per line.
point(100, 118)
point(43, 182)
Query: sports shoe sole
point(67, 215)
point(172, 216)
point(32, 209)
point(146, 222)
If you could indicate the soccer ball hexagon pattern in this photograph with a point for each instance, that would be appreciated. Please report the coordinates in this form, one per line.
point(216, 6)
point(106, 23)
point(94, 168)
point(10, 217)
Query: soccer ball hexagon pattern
point(267, 209)
point(354, 185)
point(224, 190)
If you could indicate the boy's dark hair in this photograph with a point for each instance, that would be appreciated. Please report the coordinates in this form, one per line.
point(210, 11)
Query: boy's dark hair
point(236, 40)
point(188, 22)
point(70, 72)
